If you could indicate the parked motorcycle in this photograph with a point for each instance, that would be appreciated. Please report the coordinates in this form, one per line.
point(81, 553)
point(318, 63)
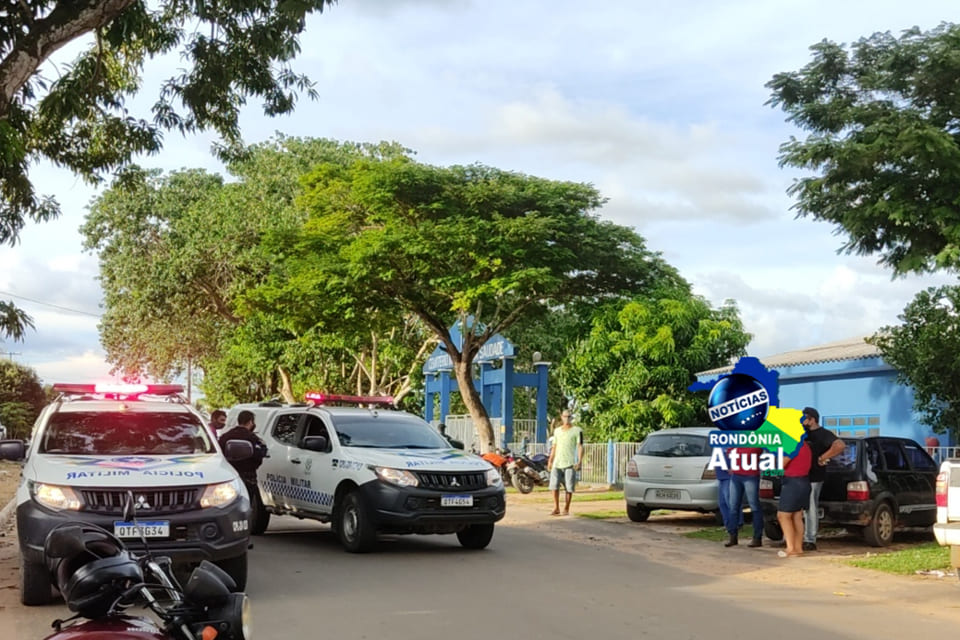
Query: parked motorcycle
point(527, 472)
point(501, 459)
point(100, 579)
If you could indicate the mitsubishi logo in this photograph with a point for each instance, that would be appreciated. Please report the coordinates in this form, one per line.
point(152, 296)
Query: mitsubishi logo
point(142, 503)
point(453, 482)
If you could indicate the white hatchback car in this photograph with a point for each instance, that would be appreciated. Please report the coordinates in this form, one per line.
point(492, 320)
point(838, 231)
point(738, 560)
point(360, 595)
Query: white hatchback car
point(669, 471)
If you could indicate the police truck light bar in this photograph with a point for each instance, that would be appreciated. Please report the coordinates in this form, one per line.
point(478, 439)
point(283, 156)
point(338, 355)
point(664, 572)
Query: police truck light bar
point(318, 397)
point(119, 389)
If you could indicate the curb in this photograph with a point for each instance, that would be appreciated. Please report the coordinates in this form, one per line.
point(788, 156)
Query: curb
point(7, 513)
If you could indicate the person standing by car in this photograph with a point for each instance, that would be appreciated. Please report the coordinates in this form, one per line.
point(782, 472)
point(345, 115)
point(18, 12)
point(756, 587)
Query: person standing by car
point(744, 481)
point(824, 445)
point(794, 499)
point(564, 461)
point(247, 468)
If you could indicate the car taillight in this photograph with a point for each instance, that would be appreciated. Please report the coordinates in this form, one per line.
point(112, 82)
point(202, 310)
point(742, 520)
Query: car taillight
point(766, 488)
point(708, 473)
point(942, 489)
point(632, 471)
point(859, 490)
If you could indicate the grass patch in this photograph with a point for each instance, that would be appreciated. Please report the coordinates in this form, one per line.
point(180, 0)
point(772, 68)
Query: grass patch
point(923, 557)
point(604, 515)
point(713, 534)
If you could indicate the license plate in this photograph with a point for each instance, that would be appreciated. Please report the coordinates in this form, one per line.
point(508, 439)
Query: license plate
point(456, 501)
point(150, 528)
point(668, 494)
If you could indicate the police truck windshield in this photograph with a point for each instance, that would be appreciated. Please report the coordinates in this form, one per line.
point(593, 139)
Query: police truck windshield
point(388, 432)
point(133, 433)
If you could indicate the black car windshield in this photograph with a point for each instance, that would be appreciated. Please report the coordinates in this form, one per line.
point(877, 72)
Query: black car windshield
point(675, 446)
point(131, 433)
point(388, 431)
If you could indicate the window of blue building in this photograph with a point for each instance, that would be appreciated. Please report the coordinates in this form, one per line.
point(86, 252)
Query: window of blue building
point(857, 426)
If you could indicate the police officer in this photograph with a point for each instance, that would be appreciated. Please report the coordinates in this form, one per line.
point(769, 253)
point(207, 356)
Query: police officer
point(247, 468)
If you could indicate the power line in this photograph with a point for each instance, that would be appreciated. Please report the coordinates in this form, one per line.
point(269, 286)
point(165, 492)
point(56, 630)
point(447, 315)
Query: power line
point(47, 304)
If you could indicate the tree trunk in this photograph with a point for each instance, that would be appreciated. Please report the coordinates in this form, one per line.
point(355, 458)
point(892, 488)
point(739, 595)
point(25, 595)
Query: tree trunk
point(471, 398)
point(286, 389)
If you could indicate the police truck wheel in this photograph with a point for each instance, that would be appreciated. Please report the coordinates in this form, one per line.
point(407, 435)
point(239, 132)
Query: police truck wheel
point(35, 584)
point(637, 513)
point(237, 568)
point(354, 525)
point(476, 536)
point(261, 517)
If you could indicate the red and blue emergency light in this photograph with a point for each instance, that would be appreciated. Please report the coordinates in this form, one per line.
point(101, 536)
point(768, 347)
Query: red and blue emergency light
point(108, 388)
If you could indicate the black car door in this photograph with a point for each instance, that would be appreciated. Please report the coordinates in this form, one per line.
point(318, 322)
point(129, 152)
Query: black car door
point(924, 480)
point(898, 478)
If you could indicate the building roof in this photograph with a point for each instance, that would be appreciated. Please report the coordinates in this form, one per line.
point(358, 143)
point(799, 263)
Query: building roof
point(849, 349)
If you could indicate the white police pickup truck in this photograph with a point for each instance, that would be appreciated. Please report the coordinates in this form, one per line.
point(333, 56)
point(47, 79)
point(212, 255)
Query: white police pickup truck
point(370, 470)
point(947, 527)
point(100, 453)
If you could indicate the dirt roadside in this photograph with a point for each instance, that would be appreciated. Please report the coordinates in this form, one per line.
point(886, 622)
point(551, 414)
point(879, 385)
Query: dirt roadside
point(9, 559)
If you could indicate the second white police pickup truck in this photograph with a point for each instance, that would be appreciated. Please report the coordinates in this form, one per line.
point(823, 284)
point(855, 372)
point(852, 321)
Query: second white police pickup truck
point(368, 471)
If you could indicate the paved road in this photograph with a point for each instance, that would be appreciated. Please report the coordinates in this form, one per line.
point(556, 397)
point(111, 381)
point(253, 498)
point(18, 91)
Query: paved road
point(528, 585)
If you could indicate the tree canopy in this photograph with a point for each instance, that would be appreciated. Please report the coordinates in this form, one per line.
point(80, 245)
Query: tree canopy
point(470, 244)
point(883, 124)
point(231, 51)
point(21, 398)
point(631, 373)
point(925, 351)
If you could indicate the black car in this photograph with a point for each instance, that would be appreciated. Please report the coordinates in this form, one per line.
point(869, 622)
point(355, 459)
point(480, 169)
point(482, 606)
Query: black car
point(875, 485)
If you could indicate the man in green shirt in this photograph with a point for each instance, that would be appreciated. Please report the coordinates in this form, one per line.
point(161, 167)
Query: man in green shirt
point(565, 457)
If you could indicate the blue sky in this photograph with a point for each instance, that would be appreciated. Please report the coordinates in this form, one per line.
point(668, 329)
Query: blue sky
point(660, 105)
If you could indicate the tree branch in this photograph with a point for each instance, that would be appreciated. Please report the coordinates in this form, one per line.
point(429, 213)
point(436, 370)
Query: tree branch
point(67, 21)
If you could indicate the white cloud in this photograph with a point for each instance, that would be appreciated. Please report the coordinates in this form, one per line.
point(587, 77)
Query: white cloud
point(86, 366)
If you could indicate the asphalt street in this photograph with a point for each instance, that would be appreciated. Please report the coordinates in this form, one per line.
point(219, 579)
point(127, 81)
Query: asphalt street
point(528, 584)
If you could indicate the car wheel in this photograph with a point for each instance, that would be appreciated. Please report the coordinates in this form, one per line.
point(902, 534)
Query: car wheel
point(523, 482)
point(476, 536)
point(879, 533)
point(237, 568)
point(637, 513)
point(771, 529)
point(35, 583)
point(354, 525)
point(261, 517)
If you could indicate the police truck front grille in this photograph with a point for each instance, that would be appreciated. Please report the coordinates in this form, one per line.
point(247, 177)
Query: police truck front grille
point(455, 481)
point(147, 501)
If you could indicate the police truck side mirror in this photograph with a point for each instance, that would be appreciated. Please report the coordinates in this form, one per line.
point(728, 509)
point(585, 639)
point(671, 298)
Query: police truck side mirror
point(237, 450)
point(12, 450)
point(315, 443)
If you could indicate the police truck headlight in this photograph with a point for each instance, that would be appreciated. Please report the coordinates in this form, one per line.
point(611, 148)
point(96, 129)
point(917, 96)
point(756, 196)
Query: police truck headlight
point(399, 477)
point(56, 497)
point(493, 478)
point(219, 495)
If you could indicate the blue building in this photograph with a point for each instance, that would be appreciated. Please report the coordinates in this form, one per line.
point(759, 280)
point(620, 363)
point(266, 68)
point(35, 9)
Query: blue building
point(855, 391)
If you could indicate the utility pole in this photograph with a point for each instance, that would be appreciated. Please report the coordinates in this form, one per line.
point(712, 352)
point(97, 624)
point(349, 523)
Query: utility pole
point(11, 354)
point(189, 380)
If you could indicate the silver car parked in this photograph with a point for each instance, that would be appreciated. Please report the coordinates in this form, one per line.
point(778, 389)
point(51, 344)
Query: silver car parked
point(669, 471)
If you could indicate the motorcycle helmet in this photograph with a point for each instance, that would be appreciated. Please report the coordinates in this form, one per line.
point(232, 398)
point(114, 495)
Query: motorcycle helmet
point(95, 573)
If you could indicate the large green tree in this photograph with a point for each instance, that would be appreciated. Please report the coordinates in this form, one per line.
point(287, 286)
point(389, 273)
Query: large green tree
point(21, 398)
point(882, 144)
point(630, 375)
point(925, 351)
point(178, 254)
point(469, 244)
point(230, 51)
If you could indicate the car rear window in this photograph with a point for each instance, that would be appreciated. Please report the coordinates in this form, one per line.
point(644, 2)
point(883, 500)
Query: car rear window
point(675, 446)
point(847, 460)
point(133, 433)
